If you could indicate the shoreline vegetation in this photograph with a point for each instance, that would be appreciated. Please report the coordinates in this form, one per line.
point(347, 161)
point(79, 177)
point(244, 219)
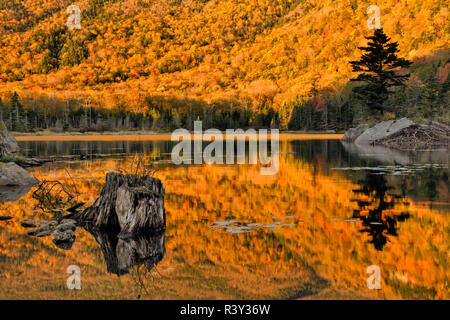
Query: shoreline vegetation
point(149, 135)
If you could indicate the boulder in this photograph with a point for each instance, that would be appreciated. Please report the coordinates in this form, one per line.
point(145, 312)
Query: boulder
point(67, 221)
point(63, 232)
point(41, 230)
point(353, 133)
point(382, 130)
point(13, 175)
point(66, 225)
point(44, 233)
point(64, 236)
point(8, 144)
point(64, 239)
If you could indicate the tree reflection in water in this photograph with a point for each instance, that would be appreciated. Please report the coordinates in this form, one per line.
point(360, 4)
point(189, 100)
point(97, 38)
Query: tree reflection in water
point(376, 209)
point(122, 254)
point(137, 255)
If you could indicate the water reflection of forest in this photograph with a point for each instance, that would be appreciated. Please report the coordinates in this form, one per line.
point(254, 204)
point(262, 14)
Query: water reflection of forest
point(259, 264)
point(377, 200)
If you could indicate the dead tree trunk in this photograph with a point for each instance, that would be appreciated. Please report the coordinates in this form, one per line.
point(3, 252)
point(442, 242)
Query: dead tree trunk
point(130, 203)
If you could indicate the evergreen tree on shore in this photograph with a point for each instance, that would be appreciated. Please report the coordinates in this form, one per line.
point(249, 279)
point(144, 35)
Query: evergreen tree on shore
point(431, 97)
point(17, 123)
point(378, 68)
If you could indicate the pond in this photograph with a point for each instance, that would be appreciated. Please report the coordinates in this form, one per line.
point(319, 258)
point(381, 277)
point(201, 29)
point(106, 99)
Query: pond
point(310, 231)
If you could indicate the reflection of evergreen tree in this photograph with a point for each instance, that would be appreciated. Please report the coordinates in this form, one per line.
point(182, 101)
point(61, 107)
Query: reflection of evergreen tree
point(431, 184)
point(430, 177)
point(377, 222)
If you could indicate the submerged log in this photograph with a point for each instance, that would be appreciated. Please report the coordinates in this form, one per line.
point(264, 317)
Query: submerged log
point(130, 203)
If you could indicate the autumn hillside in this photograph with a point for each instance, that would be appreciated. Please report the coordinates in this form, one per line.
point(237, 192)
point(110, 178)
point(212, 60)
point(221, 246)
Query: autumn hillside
point(187, 53)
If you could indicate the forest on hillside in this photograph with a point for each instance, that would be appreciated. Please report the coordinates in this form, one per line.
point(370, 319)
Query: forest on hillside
point(160, 65)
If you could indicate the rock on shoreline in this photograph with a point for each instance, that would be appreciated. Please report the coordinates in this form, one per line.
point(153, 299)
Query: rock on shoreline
point(12, 174)
point(402, 134)
point(14, 182)
point(353, 133)
point(8, 144)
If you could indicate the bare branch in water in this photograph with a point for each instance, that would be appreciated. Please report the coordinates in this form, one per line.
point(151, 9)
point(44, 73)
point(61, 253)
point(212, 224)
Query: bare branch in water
point(140, 275)
point(138, 166)
point(51, 195)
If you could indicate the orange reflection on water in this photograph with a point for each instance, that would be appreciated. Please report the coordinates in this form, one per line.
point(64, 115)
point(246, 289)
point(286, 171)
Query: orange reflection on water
point(314, 253)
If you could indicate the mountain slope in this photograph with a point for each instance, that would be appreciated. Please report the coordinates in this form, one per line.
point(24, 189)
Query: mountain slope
point(248, 53)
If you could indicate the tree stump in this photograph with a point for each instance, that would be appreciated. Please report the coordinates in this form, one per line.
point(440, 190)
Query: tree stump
point(130, 203)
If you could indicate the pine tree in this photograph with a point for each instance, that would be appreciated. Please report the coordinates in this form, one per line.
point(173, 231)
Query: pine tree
point(17, 113)
point(431, 97)
point(378, 66)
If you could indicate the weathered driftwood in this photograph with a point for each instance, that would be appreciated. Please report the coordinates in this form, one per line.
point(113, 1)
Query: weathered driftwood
point(32, 162)
point(130, 203)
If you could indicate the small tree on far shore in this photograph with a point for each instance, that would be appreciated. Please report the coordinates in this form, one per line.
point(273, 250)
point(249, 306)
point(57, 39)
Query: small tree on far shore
point(378, 67)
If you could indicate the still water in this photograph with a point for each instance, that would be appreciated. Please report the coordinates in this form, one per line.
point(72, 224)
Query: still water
point(310, 231)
